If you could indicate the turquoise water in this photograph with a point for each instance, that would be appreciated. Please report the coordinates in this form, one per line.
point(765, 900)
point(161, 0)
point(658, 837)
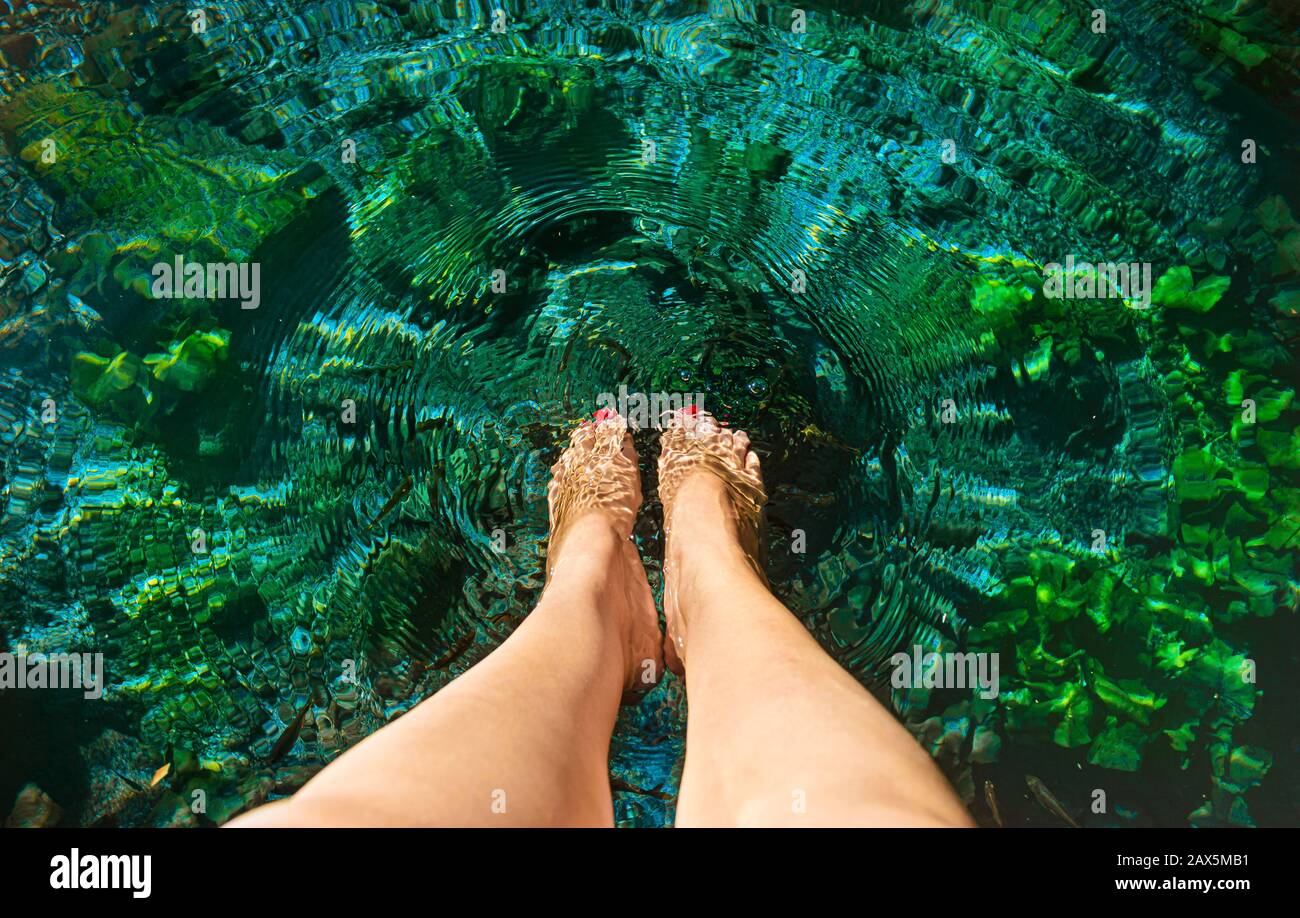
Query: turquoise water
point(837, 235)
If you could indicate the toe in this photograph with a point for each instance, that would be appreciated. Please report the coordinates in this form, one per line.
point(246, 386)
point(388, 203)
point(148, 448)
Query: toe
point(612, 436)
point(670, 438)
point(582, 435)
point(740, 445)
point(629, 448)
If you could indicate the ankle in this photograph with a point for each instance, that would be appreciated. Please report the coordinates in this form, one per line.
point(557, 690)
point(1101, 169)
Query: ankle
point(703, 522)
point(590, 570)
point(706, 567)
point(586, 542)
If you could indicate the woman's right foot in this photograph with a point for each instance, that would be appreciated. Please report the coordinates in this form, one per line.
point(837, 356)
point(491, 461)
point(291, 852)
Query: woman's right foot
point(711, 488)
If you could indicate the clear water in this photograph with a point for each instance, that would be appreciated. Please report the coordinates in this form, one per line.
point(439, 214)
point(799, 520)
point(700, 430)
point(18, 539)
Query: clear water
point(804, 247)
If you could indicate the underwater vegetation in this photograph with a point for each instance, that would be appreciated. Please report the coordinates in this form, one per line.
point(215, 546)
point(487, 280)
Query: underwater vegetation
point(284, 525)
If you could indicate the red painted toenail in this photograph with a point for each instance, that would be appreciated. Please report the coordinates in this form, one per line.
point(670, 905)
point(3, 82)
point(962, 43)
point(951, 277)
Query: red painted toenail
point(691, 409)
point(604, 414)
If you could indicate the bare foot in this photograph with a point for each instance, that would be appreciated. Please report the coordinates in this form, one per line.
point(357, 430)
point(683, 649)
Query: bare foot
point(711, 488)
point(593, 496)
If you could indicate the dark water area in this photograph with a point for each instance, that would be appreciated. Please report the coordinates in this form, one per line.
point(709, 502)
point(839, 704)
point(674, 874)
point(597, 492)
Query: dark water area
point(323, 493)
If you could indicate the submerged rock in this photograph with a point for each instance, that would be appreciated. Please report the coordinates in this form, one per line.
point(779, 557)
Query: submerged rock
point(33, 809)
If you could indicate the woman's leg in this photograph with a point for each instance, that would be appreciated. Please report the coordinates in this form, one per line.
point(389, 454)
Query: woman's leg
point(522, 738)
point(778, 733)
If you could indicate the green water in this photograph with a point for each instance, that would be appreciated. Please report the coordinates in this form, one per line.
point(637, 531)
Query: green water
point(838, 235)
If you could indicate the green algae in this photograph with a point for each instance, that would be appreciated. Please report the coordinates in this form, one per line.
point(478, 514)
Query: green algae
point(1119, 746)
point(191, 363)
point(1175, 290)
point(1236, 516)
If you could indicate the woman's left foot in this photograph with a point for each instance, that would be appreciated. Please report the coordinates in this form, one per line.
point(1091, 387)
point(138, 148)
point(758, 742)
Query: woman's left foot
point(594, 496)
